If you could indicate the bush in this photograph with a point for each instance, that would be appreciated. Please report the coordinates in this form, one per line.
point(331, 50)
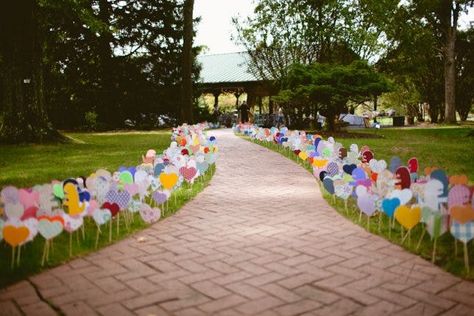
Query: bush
point(90, 119)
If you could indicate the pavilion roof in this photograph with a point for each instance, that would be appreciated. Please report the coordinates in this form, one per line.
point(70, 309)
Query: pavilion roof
point(229, 67)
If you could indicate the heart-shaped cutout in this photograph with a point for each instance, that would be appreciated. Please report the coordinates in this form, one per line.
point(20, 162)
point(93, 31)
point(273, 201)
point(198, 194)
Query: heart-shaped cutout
point(390, 205)
point(408, 217)
point(15, 235)
point(462, 213)
point(112, 207)
point(168, 180)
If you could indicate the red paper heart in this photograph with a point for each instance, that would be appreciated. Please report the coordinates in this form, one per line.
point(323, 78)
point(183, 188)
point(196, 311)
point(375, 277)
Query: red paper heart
point(29, 213)
point(112, 207)
point(297, 152)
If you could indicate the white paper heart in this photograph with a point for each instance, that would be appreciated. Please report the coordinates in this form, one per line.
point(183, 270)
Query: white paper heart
point(101, 216)
point(404, 195)
point(71, 224)
point(14, 211)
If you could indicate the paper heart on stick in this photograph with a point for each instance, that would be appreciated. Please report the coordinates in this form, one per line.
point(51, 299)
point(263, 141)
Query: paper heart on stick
point(328, 185)
point(332, 169)
point(2, 223)
point(112, 207)
point(390, 205)
point(9, 195)
point(377, 165)
point(459, 194)
point(188, 173)
point(458, 179)
point(50, 227)
point(28, 198)
point(15, 235)
point(320, 163)
point(408, 217)
point(101, 216)
point(349, 168)
point(71, 224)
point(404, 195)
point(436, 224)
point(121, 198)
point(462, 232)
point(58, 190)
point(366, 204)
point(343, 190)
point(160, 197)
point(462, 213)
point(132, 189)
point(168, 180)
point(29, 213)
point(148, 214)
point(14, 211)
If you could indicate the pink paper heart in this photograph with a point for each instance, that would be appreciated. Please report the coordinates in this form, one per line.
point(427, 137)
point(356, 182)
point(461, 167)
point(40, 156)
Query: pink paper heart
point(29, 213)
point(132, 189)
point(28, 198)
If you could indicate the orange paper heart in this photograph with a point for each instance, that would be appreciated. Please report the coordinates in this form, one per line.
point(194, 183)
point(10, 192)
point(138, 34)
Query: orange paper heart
point(462, 213)
point(168, 180)
point(429, 170)
point(408, 217)
point(303, 155)
point(319, 162)
point(14, 236)
point(459, 179)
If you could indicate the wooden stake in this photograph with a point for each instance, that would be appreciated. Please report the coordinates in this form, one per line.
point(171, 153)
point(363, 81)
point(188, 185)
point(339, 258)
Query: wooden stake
point(466, 258)
point(18, 256)
point(345, 206)
point(421, 238)
point(110, 230)
point(380, 221)
point(44, 252)
point(70, 244)
point(13, 258)
point(455, 247)
point(406, 235)
point(118, 223)
point(433, 255)
point(97, 237)
point(368, 223)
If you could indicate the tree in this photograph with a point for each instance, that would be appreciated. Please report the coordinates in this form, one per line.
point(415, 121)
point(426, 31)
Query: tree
point(330, 87)
point(23, 106)
point(187, 80)
point(285, 32)
point(465, 73)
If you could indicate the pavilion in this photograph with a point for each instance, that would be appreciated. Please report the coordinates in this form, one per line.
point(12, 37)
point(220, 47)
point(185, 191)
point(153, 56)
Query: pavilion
point(229, 73)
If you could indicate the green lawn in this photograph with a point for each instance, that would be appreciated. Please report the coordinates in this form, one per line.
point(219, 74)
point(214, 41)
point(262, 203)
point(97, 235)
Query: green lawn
point(27, 165)
point(449, 148)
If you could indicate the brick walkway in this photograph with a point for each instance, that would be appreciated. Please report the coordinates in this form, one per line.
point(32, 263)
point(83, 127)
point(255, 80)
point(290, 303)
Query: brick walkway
point(259, 240)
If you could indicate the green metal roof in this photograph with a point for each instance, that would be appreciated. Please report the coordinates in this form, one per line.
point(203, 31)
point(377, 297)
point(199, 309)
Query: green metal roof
point(230, 67)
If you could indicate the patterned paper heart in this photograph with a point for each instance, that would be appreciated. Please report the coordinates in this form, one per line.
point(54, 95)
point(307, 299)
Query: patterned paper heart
point(188, 173)
point(343, 191)
point(148, 214)
point(168, 180)
point(458, 195)
point(121, 198)
point(462, 213)
point(32, 225)
point(112, 207)
point(332, 168)
point(101, 216)
point(390, 205)
point(408, 217)
point(50, 227)
point(462, 232)
point(102, 187)
point(436, 224)
point(15, 235)
point(71, 224)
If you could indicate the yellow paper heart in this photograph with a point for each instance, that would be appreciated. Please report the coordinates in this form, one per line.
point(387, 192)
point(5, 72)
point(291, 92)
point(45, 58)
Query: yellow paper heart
point(303, 155)
point(168, 180)
point(320, 163)
point(15, 235)
point(408, 217)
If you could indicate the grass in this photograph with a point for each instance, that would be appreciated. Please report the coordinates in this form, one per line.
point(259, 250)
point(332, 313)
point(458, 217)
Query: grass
point(117, 149)
point(447, 147)
point(27, 165)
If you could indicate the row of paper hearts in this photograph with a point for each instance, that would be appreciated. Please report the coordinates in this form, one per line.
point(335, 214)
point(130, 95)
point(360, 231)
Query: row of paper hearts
point(48, 209)
point(433, 198)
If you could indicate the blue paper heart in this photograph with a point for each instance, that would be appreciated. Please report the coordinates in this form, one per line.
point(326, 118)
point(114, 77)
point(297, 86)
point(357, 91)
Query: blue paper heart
point(349, 168)
point(159, 169)
point(395, 162)
point(328, 185)
point(441, 176)
point(390, 205)
point(84, 196)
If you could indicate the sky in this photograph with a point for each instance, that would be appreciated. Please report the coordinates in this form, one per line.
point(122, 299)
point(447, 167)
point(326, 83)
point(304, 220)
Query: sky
point(216, 27)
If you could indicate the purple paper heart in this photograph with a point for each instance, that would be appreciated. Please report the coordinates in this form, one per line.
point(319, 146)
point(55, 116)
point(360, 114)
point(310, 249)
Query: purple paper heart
point(160, 197)
point(366, 204)
point(122, 198)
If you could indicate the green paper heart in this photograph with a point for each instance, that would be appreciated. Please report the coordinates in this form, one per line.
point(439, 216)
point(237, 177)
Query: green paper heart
point(58, 191)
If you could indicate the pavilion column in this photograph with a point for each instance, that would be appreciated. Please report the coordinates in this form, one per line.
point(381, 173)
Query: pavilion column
point(216, 101)
point(237, 96)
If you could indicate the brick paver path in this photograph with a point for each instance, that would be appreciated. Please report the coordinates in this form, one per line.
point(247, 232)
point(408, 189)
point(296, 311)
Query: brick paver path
point(259, 240)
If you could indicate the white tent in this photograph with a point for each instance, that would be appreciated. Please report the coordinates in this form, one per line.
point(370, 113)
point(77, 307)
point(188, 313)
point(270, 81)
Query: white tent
point(354, 120)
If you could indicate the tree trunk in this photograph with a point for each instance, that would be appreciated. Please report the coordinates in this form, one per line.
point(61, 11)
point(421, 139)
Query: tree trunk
point(451, 18)
point(24, 115)
point(187, 81)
